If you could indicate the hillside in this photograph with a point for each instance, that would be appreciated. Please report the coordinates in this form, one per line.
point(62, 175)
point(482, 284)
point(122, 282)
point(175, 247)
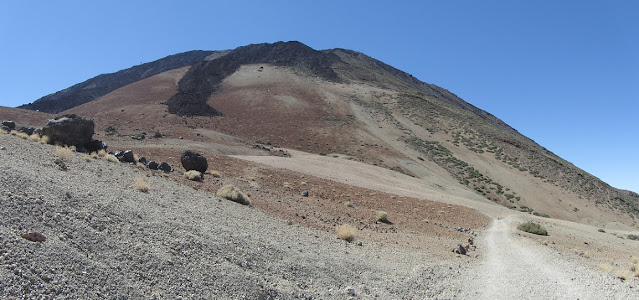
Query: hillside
point(343, 103)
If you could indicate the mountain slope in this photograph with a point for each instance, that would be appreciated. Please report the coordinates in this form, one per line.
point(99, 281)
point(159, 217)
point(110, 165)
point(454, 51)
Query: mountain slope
point(345, 104)
point(103, 84)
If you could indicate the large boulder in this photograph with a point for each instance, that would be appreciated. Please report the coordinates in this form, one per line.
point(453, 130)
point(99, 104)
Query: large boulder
point(9, 124)
point(193, 161)
point(71, 130)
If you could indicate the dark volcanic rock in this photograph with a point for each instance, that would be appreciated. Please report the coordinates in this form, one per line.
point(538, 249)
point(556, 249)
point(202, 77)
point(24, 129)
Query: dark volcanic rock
point(71, 130)
point(27, 130)
point(142, 160)
point(193, 161)
point(103, 84)
point(9, 124)
point(152, 165)
point(204, 78)
point(127, 156)
point(165, 167)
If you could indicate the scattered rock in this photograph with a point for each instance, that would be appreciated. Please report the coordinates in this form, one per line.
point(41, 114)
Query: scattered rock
point(305, 194)
point(165, 167)
point(95, 145)
point(34, 236)
point(70, 130)
point(152, 165)
point(127, 156)
point(60, 164)
point(3, 148)
point(27, 130)
point(460, 249)
point(350, 291)
point(192, 160)
point(142, 160)
point(9, 124)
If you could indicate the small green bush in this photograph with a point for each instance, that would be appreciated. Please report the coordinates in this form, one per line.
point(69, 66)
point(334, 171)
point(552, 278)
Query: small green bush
point(533, 228)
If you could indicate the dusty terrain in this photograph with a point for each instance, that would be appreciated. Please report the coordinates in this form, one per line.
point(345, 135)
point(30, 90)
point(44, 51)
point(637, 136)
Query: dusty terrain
point(106, 239)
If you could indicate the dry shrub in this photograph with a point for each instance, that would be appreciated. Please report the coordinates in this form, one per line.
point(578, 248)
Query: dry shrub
point(23, 135)
point(45, 139)
point(140, 165)
point(102, 153)
point(214, 173)
point(234, 194)
point(2, 131)
point(193, 175)
point(13, 132)
point(346, 232)
point(63, 153)
point(94, 155)
point(34, 138)
point(110, 158)
point(142, 185)
point(87, 158)
point(348, 204)
point(381, 216)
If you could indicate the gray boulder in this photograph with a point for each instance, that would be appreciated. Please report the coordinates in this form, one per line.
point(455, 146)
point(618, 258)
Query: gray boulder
point(192, 160)
point(71, 130)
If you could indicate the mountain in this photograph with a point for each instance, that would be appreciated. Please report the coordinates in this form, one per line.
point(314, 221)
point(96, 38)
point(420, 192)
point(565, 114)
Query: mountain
point(341, 103)
point(103, 84)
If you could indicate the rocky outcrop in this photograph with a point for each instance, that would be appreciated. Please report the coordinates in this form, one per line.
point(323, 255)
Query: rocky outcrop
point(70, 130)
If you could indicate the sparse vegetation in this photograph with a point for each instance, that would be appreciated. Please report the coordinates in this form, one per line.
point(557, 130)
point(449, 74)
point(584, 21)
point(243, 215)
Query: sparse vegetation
point(234, 194)
point(346, 232)
point(34, 138)
point(348, 204)
point(110, 158)
point(45, 139)
point(214, 173)
point(63, 153)
point(141, 185)
point(381, 216)
point(533, 228)
point(193, 175)
point(102, 153)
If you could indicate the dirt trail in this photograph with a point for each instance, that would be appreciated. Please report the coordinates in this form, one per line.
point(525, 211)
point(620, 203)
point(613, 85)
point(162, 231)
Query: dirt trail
point(515, 267)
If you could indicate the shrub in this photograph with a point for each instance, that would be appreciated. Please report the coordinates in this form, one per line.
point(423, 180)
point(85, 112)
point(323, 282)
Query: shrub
point(87, 158)
point(214, 173)
point(23, 135)
point(94, 155)
point(110, 158)
point(533, 228)
point(193, 175)
point(45, 139)
point(34, 138)
point(102, 153)
point(63, 153)
point(234, 194)
point(141, 185)
point(346, 232)
point(381, 216)
point(348, 204)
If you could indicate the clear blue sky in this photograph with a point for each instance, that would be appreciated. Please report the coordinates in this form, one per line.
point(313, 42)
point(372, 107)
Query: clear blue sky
point(564, 73)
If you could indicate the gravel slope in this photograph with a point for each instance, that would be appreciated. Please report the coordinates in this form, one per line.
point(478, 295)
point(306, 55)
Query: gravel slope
point(107, 240)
